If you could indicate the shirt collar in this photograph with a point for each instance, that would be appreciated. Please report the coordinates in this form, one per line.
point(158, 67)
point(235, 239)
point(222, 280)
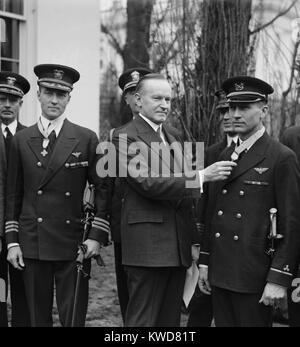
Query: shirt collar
point(230, 139)
point(55, 124)
point(12, 127)
point(153, 125)
point(253, 138)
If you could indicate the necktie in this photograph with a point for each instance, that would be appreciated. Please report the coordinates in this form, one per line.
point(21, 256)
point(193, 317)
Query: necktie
point(8, 140)
point(159, 133)
point(52, 138)
point(232, 145)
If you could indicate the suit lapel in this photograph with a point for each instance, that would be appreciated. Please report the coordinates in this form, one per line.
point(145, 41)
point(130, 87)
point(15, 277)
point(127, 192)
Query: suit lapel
point(64, 146)
point(20, 127)
point(3, 160)
point(147, 134)
point(35, 143)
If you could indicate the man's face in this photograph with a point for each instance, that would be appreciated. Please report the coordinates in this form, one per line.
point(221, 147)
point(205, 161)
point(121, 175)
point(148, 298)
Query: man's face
point(53, 102)
point(154, 100)
point(247, 117)
point(9, 107)
point(130, 100)
point(226, 121)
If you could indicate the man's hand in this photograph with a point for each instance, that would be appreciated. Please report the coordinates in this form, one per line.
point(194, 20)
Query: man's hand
point(195, 252)
point(218, 171)
point(15, 257)
point(93, 248)
point(203, 283)
point(273, 295)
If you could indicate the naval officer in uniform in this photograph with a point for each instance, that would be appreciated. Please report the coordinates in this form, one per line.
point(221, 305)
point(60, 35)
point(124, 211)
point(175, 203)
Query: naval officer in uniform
point(50, 165)
point(244, 280)
point(13, 87)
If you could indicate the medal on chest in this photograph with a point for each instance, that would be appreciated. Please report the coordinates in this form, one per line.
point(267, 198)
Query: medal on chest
point(45, 144)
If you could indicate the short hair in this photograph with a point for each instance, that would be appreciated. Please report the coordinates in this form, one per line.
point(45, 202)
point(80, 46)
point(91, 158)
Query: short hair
point(148, 77)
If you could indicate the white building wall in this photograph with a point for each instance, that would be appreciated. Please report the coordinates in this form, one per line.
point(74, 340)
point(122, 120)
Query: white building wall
point(63, 32)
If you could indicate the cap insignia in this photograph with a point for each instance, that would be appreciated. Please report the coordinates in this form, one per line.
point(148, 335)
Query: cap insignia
point(286, 268)
point(58, 74)
point(135, 76)
point(11, 81)
point(239, 86)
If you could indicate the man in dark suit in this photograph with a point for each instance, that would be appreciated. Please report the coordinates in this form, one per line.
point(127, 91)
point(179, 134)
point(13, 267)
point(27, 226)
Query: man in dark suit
point(49, 167)
point(200, 307)
point(12, 89)
point(127, 82)
point(157, 229)
point(291, 138)
point(244, 280)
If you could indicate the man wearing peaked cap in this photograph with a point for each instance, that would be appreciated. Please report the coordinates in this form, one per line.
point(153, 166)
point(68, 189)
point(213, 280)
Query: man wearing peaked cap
point(50, 164)
point(237, 265)
point(200, 308)
point(12, 89)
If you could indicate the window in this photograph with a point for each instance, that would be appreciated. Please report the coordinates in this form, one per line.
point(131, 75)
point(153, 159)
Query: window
point(12, 13)
point(12, 6)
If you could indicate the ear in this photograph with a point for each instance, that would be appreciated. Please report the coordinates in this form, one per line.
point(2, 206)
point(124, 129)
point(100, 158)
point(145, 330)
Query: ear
point(125, 99)
point(38, 94)
point(265, 111)
point(69, 98)
point(21, 102)
point(138, 100)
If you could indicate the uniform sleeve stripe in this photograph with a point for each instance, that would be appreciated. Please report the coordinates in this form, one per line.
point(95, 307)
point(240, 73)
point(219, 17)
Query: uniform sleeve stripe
point(206, 253)
point(282, 272)
point(11, 223)
point(11, 227)
point(97, 219)
point(101, 224)
point(101, 227)
point(11, 230)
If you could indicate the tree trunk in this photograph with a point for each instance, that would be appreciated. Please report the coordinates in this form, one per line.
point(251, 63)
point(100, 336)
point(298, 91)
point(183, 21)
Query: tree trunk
point(223, 52)
point(138, 33)
point(136, 49)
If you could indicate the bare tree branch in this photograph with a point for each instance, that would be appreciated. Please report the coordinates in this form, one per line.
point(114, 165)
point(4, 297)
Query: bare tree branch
point(286, 92)
point(113, 40)
point(280, 14)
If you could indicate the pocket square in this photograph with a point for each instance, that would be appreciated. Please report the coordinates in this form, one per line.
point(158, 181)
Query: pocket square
point(261, 170)
point(76, 154)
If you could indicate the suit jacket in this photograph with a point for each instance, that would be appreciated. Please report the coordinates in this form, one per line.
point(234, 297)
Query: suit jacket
point(238, 220)
point(115, 195)
point(3, 170)
point(157, 226)
point(44, 200)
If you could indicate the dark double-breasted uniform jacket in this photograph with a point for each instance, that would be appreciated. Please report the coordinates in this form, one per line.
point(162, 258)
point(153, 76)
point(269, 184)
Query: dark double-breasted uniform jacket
point(157, 226)
point(238, 220)
point(3, 172)
point(211, 156)
point(2, 184)
point(45, 195)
